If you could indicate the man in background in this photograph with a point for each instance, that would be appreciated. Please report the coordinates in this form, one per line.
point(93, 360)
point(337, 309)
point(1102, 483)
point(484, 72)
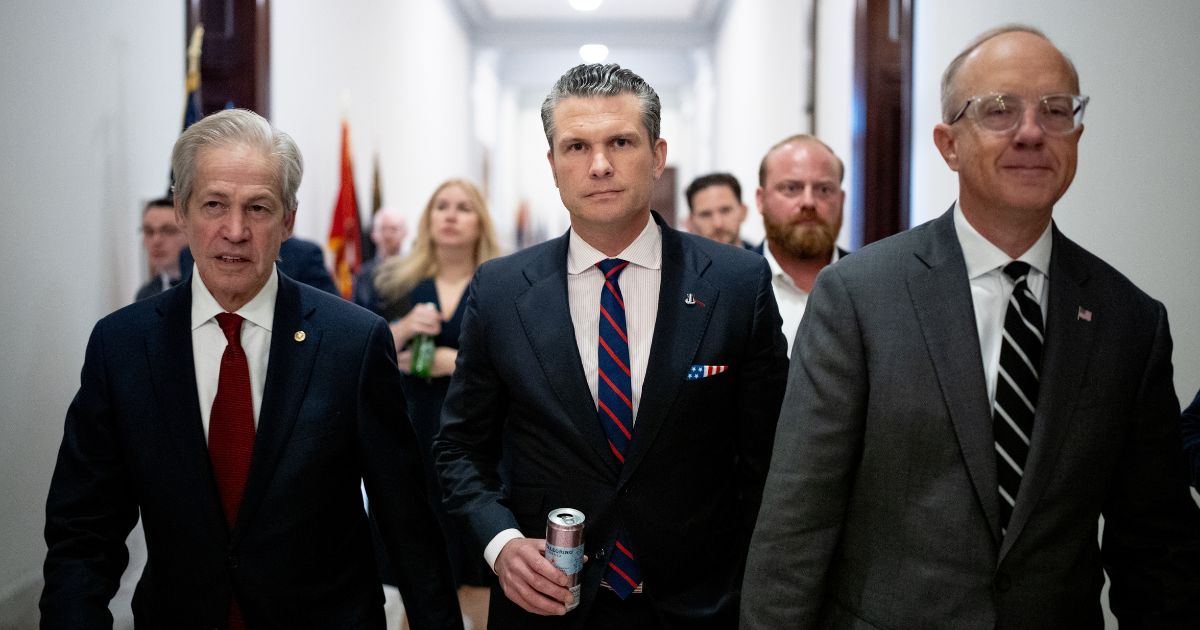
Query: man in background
point(387, 233)
point(967, 399)
point(800, 197)
point(163, 240)
point(715, 209)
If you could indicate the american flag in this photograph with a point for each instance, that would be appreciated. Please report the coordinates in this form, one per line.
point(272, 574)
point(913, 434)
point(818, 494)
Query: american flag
point(697, 372)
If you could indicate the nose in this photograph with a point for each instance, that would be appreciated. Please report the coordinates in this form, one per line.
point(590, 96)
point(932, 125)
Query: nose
point(235, 227)
point(808, 198)
point(600, 166)
point(1029, 131)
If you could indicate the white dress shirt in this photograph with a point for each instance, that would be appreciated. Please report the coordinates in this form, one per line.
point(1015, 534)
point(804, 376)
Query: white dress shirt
point(790, 298)
point(991, 288)
point(208, 342)
point(639, 283)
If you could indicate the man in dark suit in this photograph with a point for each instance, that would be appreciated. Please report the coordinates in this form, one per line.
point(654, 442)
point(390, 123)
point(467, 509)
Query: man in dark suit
point(800, 197)
point(1191, 437)
point(163, 241)
point(300, 260)
point(943, 457)
point(644, 395)
point(238, 413)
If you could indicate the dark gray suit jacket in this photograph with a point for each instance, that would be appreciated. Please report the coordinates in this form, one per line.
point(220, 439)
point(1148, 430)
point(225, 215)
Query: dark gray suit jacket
point(689, 490)
point(880, 510)
point(300, 554)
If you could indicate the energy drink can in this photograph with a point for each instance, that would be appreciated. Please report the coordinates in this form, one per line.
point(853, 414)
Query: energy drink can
point(564, 546)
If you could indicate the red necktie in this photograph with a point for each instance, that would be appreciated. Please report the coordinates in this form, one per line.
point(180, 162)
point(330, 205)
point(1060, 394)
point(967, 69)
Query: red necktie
point(231, 431)
point(231, 423)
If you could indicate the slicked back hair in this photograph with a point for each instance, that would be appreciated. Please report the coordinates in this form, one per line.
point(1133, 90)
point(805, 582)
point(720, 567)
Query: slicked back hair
point(234, 127)
point(951, 102)
point(592, 80)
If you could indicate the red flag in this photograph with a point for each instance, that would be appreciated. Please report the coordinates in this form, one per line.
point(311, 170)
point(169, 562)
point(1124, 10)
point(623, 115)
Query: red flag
point(345, 232)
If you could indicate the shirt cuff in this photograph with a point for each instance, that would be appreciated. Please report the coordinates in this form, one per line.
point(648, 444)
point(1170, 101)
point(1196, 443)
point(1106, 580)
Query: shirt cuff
point(493, 548)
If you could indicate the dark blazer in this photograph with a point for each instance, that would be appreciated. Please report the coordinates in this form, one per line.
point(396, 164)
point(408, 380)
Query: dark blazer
point(300, 260)
point(882, 493)
point(299, 555)
point(1191, 437)
point(689, 490)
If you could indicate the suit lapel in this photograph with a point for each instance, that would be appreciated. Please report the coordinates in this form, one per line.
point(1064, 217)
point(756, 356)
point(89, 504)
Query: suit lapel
point(941, 296)
point(288, 371)
point(173, 373)
point(678, 329)
point(1068, 345)
point(544, 308)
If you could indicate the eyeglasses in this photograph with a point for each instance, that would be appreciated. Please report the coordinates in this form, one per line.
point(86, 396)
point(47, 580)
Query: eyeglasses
point(165, 231)
point(1058, 114)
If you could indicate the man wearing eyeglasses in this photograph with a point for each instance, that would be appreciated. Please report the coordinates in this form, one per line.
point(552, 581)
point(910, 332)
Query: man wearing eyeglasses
point(968, 398)
point(800, 197)
point(163, 240)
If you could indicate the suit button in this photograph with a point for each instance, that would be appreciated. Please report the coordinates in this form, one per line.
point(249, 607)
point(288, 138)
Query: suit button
point(1002, 582)
point(624, 491)
point(232, 561)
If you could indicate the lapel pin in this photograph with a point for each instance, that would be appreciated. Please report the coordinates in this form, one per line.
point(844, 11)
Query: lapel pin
point(691, 300)
point(299, 336)
point(1084, 314)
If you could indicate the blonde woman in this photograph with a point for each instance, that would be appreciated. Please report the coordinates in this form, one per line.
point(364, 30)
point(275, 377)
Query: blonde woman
point(425, 293)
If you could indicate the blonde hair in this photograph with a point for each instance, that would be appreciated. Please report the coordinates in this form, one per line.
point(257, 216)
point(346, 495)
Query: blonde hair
point(396, 277)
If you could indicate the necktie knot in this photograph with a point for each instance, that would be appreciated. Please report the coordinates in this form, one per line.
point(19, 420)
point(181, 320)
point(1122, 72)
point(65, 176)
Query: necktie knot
point(231, 325)
point(612, 268)
point(1016, 270)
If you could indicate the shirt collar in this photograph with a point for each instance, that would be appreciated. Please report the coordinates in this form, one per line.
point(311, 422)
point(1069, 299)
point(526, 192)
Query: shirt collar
point(644, 251)
point(778, 272)
point(260, 310)
point(982, 256)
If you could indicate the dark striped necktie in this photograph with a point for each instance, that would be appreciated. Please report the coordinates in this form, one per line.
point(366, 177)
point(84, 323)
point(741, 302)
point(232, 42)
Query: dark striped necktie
point(1016, 387)
point(614, 393)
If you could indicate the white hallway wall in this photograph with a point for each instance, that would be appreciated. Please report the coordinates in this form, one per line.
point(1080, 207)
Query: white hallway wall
point(1134, 196)
point(92, 103)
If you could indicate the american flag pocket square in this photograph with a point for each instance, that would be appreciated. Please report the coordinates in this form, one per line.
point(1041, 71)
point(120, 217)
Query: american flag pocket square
point(697, 372)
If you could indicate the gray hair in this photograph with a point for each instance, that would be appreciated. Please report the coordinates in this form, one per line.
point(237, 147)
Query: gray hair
point(232, 127)
point(590, 80)
point(951, 104)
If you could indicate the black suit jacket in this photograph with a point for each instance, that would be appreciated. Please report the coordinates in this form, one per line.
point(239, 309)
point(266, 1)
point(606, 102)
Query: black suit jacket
point(300, 260)
point(300, 554)
point(689, 490)
point(883, 500)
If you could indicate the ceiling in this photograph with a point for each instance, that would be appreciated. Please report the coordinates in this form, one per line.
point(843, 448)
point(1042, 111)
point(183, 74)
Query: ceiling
point(510, 24)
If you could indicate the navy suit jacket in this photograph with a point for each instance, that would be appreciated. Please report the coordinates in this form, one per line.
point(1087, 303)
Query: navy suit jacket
point(689, 490)
point(300, 260)
point(300, 553)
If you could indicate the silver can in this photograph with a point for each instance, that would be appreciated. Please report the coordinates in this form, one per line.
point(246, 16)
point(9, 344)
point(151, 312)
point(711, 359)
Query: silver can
point(564, 546)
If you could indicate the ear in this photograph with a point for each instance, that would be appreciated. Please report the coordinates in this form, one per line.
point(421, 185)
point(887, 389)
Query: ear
point(741, 213)
point(660, 157)
point(943, 138)
point(289, 222)
point(553, 172)
point(759, 193)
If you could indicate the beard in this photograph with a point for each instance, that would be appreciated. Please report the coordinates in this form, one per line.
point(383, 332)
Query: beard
point(805, 241)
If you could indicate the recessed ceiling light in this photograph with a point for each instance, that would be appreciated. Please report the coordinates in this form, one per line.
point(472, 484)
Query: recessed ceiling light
point(593, 53)
point(585, 5)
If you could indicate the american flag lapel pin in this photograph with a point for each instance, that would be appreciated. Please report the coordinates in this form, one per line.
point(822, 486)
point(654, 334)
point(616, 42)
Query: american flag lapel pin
point(1084, 315)
point(697, 372)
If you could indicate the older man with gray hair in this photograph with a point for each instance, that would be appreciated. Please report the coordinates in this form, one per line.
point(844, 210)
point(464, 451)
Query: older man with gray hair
point(237, 413)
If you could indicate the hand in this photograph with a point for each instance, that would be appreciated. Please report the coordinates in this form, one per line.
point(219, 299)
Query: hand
point(530, 580)
point(443, 361)
point(422, 319)
point(404, 361)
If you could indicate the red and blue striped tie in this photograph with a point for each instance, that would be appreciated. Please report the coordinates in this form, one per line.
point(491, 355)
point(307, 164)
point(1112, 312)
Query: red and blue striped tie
point(615, 408)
